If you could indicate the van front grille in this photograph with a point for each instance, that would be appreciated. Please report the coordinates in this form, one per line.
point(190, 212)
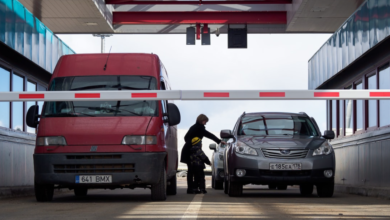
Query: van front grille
point(94, 168)
point(288, 154)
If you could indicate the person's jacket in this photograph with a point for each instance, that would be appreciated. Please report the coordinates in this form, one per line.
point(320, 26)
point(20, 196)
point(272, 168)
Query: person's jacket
point(196, 130)
point(198, 158)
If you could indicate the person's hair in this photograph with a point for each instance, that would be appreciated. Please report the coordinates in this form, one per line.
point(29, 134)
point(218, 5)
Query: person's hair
point(201, 118)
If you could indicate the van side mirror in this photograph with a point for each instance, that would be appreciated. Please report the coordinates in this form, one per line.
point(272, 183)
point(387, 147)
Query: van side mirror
point(173, 114)
point(213, 147)
point(329, 134)
point(32, 116)
point(226, 134)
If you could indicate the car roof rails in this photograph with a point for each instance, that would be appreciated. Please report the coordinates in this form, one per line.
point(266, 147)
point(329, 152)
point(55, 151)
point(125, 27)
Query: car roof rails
point(303, 113)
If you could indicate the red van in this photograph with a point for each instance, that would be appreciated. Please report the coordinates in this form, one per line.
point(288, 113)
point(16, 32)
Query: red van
point(106, 144)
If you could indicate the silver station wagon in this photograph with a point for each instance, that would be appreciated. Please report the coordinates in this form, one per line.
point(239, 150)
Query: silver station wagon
point(278, 149)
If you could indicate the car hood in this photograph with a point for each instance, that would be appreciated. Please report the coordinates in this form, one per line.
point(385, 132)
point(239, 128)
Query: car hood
point(283, 142)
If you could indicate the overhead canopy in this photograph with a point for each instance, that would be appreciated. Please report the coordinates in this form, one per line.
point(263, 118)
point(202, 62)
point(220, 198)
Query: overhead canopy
point(173, 17)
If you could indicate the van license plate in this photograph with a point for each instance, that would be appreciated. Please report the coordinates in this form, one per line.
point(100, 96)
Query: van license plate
point(94, 179)
point(285, 166)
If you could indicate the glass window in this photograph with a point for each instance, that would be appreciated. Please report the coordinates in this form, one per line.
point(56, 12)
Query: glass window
point(4, 106)
point(17, 107)
point(384, 105)
point(102, 108)
point(334, 116)
point(276, 125)
point(31, 87)
point(40, 103)
point(372, 104)
point(349, 116)
point(359, 110)
point(341, 115)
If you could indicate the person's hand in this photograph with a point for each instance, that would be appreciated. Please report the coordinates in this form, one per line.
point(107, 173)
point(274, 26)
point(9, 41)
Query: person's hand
point(223, 142)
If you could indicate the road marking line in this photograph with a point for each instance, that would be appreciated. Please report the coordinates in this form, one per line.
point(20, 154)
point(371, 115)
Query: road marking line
point(194, 207)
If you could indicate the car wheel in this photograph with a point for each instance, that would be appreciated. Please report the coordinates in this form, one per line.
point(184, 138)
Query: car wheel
point(172, 186)
point(80, 191)
point(272, 186)
point(218, 184)
point(282, 187)
point(44, 192)
point(235, 189)
point(325, 190)
point(306, 190)
point(226, 187)
point(159, 190)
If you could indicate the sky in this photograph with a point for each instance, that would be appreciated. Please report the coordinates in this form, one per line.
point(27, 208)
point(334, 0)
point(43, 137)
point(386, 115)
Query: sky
point(271, 62)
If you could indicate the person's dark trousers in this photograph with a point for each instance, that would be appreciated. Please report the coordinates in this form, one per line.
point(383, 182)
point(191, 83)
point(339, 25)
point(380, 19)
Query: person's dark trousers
point(190, 178)
point(199, 177)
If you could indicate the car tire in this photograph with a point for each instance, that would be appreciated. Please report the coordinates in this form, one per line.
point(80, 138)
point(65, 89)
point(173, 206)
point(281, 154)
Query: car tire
point(218, 184)
point(325, 190)
point(172, 186)
point(212, 181)
point(235, 189)
point(282, 187)
point(306, 189)
point(80, 191)
point(272, 186)
point(44, 192)
point(226, 187)
point(159, 190)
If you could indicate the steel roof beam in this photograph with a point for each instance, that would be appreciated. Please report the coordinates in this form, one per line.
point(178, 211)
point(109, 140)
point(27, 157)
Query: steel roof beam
point(200, 2)
point(204, 17)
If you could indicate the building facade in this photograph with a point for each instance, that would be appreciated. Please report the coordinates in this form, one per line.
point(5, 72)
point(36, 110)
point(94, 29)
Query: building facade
point(357, 56)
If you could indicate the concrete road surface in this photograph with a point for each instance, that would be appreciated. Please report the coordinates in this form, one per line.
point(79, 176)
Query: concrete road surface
point(256, 203)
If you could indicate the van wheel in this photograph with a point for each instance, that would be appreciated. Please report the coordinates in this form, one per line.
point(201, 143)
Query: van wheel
point(226, 187)
point(282, 187)
point(159, 190)
point(43, 192)
point(80, 191)
point(306, 190)
point(172, 186)
point(325, 190)
point(272, 186)
point(235, 189)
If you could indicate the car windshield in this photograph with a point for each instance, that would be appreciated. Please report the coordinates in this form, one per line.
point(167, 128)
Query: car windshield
point(101, 108)
point(276, 125)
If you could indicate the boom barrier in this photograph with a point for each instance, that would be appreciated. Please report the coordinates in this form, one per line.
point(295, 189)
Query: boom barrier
point(196, 95)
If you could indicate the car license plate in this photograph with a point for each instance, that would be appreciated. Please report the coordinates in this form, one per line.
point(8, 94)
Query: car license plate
point(285, 166)
point(94, 179)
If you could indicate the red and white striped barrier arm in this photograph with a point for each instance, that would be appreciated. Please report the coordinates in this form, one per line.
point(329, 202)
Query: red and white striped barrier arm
point(196, 95)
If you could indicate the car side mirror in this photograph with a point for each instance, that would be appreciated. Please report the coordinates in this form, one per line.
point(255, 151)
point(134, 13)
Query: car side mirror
point(32, 116)
point(173, 114)
point(226, 134)
point(213, 147)
point(329, 134)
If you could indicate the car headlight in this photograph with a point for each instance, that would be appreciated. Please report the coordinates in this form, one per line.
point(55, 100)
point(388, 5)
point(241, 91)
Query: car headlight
point(138, 140)
point(325, 149)
point(242, 148)
point(51, 141)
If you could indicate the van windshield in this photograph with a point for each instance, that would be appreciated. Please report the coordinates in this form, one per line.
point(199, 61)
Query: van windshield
point(101, 108)
point(276, 125)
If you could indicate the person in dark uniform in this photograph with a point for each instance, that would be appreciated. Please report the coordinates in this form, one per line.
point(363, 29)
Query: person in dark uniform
point(198, 159)
point(197, 130)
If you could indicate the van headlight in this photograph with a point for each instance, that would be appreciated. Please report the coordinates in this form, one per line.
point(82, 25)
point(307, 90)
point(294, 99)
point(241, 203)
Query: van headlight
point(324, 149)
point(139, 139)
point(242, 148)
point(51, 141)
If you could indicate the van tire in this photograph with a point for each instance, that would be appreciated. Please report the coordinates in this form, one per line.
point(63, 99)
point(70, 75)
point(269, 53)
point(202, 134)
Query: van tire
point(43, 192)
point(282, 187)
point(172, 186)
point(325, 190)
point(235, 189)
point(272, 186)
point(80, 191)
point(159, 190)
point(306, 189)
point(226, 187)
point(218, 184)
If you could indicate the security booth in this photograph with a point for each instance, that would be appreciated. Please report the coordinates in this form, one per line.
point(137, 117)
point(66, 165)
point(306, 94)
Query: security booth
point(357, 57)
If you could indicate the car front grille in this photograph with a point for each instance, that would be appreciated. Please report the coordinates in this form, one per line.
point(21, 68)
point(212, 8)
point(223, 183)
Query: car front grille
point(94, 157)
point(277, 153)
point(94, 168)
